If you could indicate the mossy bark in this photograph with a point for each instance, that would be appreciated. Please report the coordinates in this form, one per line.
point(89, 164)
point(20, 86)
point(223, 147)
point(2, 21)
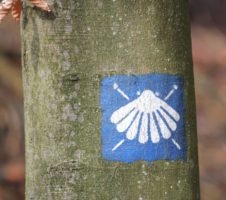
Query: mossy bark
point(65, 56)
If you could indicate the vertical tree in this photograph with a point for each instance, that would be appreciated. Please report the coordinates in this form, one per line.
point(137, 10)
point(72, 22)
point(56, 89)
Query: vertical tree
point(66, 56)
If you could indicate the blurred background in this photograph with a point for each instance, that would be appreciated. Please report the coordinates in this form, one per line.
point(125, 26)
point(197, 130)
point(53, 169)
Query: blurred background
point(208, 21)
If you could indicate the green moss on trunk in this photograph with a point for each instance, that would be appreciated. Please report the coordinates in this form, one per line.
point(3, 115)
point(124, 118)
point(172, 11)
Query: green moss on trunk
point(65, 56)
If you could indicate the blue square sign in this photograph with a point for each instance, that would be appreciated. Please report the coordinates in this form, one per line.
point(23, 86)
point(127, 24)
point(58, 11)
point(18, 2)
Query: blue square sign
point(143, 118)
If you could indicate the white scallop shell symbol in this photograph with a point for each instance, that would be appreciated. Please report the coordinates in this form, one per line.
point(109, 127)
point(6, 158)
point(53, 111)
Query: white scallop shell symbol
point(141, 117)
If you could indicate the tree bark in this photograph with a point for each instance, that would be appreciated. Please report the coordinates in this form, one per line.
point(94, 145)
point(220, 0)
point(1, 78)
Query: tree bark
point(66, 54)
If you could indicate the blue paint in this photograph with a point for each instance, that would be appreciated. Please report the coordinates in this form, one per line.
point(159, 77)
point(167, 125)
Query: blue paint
point(132, 86)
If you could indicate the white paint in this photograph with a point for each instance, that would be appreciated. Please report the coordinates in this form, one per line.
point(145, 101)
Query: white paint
point(118, 145)
point(176, 144)
point(157, 94)
point(175, 87)
point(147, 104)
point(116, 87)
point(147, 111)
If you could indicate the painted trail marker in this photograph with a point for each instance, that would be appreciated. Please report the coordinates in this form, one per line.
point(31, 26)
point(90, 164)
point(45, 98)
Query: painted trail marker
point(143, 118)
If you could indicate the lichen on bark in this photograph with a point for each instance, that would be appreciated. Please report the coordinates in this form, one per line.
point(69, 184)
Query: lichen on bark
point(66, 54)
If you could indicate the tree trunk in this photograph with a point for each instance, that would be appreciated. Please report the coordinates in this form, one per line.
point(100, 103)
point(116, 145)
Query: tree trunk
point(68, 56)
